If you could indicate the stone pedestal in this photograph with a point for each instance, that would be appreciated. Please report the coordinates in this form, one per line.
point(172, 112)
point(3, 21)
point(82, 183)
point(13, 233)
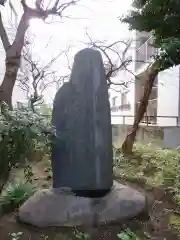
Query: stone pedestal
point(59, 207)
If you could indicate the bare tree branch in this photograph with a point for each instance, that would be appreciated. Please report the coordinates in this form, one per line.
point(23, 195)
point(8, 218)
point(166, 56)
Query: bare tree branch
point(14, 50)
point(35, 78)
point(120, 62)
point(112, 67)
point(3, 35)
point(41, 12)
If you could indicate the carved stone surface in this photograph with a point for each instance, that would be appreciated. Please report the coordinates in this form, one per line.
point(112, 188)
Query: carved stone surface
point(82, 159)
point(61, 208)
point(82, 156)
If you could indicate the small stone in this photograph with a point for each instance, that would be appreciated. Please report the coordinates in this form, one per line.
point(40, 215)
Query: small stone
point(36, 178)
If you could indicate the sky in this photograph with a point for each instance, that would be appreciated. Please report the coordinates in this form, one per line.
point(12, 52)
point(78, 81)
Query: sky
point(98, 17)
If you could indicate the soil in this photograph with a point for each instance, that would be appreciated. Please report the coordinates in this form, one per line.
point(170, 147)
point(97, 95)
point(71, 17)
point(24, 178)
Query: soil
point(155, 225)
point(9, 224)
point(144, 229)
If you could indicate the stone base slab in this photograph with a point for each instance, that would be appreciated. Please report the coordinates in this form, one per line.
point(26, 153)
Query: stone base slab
point(60, 207)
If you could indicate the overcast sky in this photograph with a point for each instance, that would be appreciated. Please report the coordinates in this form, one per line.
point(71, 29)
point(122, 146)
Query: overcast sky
point(99, 17)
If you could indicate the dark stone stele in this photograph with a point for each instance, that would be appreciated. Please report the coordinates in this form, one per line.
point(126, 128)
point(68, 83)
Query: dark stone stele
point(82, 151)
point(82, 157)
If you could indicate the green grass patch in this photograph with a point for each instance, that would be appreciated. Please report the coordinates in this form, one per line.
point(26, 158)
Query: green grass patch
point(151, 165)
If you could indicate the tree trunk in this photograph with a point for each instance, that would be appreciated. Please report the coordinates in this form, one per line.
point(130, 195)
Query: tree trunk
point(6, 88)
point(32, 105)
point(128, 143)
point(13, 57)
point(15, 49)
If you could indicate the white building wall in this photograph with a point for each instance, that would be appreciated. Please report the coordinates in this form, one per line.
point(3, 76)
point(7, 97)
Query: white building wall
point(125, 116)
point(168, 102)
point(168, 96)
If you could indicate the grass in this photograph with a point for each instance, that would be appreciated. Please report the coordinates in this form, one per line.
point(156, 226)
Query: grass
point(152, 166)
point(149, 165)
point(15, 195)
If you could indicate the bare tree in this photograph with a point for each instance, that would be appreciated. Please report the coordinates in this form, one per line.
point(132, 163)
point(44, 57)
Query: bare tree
point(115, 57)
point(35, 78)
point(13, 51)
point(121, 64)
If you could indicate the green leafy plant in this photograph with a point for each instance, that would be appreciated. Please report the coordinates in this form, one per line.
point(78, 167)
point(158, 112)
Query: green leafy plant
point(151, 165)
point(21, 133)
point(15, 195)
point(127, 235)
point(16, 236)
point(28, 173)
point(81, 235)
point(44, 237)
point(143, 17)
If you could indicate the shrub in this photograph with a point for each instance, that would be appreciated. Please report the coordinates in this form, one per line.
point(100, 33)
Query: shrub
point(15, 195)
point(157, 167)
point(21, 132)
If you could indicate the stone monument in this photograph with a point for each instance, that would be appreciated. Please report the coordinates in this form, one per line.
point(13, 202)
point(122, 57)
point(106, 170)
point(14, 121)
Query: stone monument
point(82, 162)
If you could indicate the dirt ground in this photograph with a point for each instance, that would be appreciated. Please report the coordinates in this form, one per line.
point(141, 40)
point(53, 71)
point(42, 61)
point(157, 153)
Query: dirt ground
point(143, 229)
point(8, 224)
point(156, 225)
